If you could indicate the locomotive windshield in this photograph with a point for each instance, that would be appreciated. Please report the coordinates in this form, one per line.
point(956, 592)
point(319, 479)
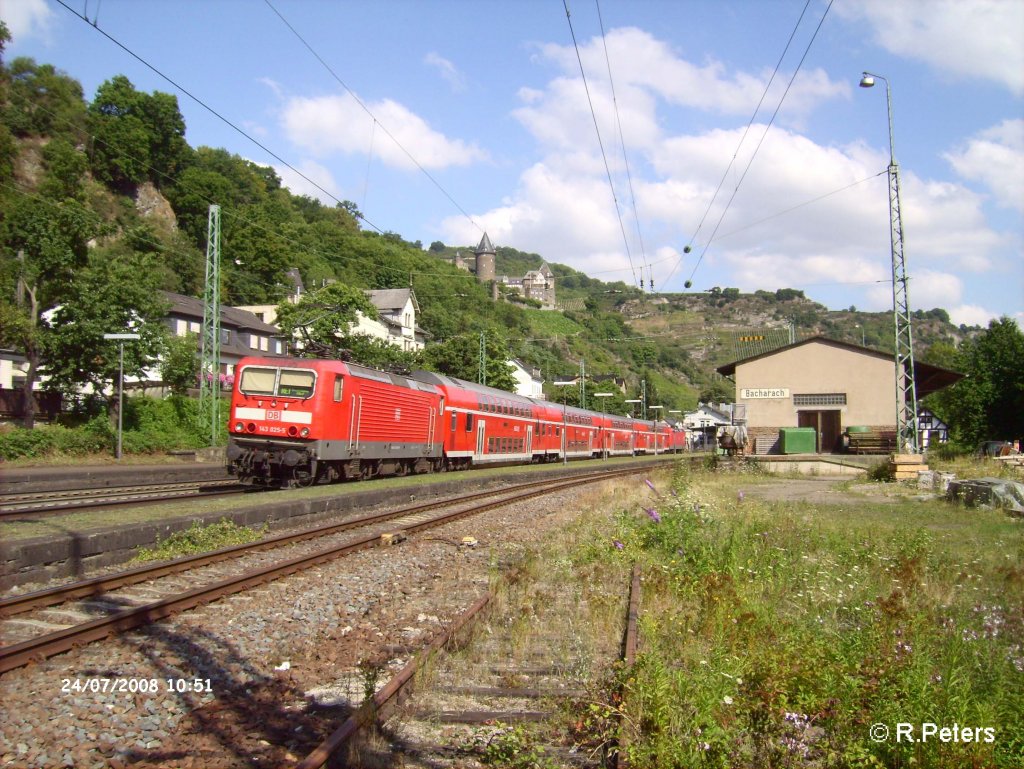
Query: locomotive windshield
point(296, 384)
point(282, 382)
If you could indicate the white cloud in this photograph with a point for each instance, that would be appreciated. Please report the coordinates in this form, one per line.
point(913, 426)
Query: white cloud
point(927, 289)
point(644, 62)
point(806, 215)
point(564, 216)
point(649, 74)
point(314, 173)
point(995, 157)
point(972, 315)
point(27, 18)
point(273, 85)
point(977, 39)
point(451, 74)
point(329, 124)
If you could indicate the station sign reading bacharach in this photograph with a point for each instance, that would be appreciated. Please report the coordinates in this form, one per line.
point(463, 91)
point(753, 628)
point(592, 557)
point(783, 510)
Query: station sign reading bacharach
point(750, 393)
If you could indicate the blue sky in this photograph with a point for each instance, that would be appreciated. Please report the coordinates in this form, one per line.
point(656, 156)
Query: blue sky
point(495, 131)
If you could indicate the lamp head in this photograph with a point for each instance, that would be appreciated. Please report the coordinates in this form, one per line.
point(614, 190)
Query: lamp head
point(867, 81)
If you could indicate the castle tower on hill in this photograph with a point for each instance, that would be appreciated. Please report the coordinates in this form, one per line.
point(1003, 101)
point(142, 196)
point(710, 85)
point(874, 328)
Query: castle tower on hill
point(485, 260)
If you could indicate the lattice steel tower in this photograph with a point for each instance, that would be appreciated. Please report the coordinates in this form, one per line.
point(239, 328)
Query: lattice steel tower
point(906, 392)
point(209, 356)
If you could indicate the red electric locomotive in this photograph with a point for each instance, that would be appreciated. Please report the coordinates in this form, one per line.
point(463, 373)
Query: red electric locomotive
point(295, 422)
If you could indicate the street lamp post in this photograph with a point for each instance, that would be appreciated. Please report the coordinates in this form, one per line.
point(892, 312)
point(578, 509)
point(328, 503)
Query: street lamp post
point(906, 392)
point(121, 339)
point(604, 449)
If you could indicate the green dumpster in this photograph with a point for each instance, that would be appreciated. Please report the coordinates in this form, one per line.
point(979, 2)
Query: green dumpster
point(798, 440)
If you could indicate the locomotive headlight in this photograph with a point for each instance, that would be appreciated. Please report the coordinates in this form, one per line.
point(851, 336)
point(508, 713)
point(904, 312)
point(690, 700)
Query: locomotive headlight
point(239, 427)
point(305, 432)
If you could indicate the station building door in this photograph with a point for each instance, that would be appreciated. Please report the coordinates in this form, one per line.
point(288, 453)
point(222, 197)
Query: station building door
point(827, 424)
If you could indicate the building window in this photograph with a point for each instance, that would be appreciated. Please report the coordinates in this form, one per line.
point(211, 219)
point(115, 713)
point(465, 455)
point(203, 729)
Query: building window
point(819, 399)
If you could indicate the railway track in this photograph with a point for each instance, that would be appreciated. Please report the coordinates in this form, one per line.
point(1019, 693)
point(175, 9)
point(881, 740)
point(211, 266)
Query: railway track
point(44, 623)
point(36, 503)
point(478, 695)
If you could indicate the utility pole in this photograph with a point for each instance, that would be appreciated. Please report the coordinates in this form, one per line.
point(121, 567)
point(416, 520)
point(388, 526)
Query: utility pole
point(583, 383)
point(209, 357)
point(482, 370)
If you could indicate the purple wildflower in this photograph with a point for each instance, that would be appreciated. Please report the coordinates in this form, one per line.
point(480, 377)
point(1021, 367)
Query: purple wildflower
point(653, 514)
point(739, 496)
point(618, 545)
point(651, 486)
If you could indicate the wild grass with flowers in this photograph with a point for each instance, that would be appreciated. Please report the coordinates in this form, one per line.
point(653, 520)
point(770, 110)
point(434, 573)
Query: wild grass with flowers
point(776, 634)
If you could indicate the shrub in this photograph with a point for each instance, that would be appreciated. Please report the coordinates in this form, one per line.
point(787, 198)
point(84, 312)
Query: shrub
point(200, 539)
point(52, 440)
point(150, 425)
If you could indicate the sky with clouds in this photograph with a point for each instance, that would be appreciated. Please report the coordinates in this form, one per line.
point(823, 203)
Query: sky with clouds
point(721, 142)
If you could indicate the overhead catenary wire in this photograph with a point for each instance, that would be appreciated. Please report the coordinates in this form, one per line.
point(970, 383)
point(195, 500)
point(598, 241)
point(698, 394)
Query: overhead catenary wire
point(625, 155)
point(376, 122)
point(597, 130)
point(227, 212)
point(762, 220)
point(771, 122)
point(746, 131)
point(211, 110)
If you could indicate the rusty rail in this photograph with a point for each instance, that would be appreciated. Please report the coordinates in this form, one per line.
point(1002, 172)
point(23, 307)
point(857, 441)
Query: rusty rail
point(629, 647)
point(385, 699)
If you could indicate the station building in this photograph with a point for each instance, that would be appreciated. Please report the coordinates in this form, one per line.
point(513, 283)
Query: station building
point(824, 384)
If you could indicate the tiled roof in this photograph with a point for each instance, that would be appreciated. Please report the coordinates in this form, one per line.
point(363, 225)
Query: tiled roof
point(230, 317)
point(391, 298)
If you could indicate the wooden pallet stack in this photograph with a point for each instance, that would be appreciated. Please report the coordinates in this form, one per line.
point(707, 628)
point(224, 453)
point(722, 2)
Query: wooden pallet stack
point(905, 467)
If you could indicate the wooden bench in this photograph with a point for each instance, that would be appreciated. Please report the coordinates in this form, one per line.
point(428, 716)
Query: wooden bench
point(882, 442)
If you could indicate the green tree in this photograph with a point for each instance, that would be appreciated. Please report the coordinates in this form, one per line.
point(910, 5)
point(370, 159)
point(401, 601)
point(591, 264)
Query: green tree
point(115, 292)
point(322, 321)
point(376, 353)
point(718, 391)
point(191, 196)
point(168, 150)
point(135, 136)
point(42, 248)
point(179, 366)
point(119, 150)
point(988, 404)
point(460, 357)
point(42, 101)
point(65, 171)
